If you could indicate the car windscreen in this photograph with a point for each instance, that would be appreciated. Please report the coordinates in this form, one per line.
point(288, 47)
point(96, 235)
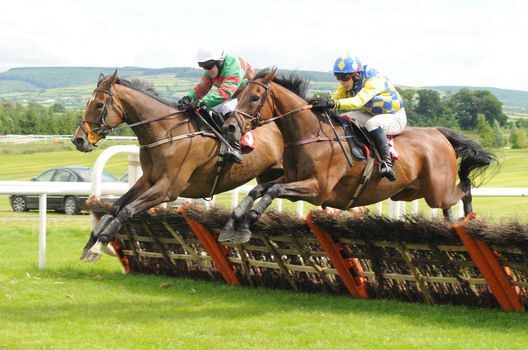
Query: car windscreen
point(86, 175)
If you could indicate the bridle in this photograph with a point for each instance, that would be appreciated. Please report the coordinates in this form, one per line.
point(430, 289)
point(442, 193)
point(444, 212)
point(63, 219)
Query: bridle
point(255, 119)
point(101, 127)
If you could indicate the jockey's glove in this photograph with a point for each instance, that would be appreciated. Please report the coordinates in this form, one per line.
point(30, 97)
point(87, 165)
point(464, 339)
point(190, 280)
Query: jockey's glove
point(189, 105)
point(322, 103)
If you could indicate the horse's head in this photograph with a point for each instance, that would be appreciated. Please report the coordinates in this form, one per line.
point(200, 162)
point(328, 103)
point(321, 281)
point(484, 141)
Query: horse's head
point(103, 113)
point(255, 105)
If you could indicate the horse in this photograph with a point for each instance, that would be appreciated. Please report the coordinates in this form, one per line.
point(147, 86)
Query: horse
point(176, 156)
point(316, 167)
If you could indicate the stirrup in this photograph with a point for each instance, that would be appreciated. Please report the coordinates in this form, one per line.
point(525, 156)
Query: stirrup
point(387, 171)
point(234, 155)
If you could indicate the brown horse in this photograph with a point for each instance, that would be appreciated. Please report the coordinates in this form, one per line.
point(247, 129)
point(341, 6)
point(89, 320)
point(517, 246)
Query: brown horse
point(177, 158)
point(316, 169)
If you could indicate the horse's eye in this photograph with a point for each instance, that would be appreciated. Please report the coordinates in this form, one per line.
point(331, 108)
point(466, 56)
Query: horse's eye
point(99, 106)
point(255, 98)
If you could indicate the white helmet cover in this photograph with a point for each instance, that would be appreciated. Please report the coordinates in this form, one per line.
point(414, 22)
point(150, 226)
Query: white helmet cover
point(209, 54)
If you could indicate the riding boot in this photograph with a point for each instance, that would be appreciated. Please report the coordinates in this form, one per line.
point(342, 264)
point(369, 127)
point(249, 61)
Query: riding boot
point(380, 140)
point(235, 151)
point(232, 135)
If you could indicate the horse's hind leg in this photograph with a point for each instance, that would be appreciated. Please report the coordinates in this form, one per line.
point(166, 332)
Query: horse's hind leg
point(448, 215)
point(467, 202)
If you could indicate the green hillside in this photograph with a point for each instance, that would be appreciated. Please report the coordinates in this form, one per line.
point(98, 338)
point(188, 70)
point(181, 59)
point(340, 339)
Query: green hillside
point(72, 86)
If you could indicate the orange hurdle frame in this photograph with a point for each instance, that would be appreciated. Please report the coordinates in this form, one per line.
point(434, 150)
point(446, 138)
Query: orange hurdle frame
point(208, 241)
point(491, 270)
point(355, 286)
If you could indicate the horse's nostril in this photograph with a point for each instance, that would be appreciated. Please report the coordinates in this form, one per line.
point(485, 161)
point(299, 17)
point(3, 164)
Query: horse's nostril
point(231, 128)
point(78, 141)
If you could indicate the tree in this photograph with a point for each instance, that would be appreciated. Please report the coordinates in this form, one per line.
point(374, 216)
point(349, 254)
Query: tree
point(429, 103)
point(485, 131)
point(498, 140)
point(467, 104)
point(518, 138)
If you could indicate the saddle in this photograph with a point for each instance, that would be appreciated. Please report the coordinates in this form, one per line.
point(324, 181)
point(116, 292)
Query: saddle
point(360, 142)
point(214, 120)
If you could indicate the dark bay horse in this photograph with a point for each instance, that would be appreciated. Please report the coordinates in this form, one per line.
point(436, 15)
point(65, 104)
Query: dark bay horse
point(177, 158)
point(316, 169)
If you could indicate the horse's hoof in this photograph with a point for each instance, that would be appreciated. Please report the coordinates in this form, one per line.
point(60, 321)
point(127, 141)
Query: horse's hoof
point(226, 235)
point(94, 253)
point(92, 257)
point(241, 236)
point(228, 231)
point(84, 253)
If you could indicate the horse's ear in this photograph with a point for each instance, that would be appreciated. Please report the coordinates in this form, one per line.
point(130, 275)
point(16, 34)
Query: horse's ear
point(113, 77)
point(270, 76)
point(101, 78)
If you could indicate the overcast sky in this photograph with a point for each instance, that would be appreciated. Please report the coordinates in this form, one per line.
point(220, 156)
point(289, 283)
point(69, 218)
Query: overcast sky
point(414, 43)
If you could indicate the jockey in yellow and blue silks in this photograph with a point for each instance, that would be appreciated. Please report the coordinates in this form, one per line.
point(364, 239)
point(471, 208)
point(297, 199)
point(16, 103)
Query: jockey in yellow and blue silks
point(373, 101)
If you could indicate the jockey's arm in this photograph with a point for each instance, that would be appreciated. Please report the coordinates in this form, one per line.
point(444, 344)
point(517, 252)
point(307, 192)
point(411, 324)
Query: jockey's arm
point(232, 78)
point(373, 87)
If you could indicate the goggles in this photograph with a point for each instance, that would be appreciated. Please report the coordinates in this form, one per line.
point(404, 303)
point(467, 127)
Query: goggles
point(344, 76)
point(207, 65)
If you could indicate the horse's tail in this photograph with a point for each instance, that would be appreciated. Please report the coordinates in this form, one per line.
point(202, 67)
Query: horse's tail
point(472, 157)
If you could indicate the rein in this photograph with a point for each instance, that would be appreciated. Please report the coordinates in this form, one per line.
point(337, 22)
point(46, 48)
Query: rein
point(102, 127)
point(255, 121)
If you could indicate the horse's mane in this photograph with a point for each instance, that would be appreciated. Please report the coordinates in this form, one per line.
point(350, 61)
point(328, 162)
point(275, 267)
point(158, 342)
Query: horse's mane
point(146, 88)
point(293, 82)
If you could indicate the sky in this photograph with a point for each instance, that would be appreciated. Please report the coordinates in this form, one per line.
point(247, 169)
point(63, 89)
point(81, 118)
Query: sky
point(415, 43)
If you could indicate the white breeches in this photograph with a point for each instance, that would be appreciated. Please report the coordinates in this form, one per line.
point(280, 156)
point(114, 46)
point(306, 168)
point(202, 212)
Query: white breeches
point(392, 124)
point(226, 107)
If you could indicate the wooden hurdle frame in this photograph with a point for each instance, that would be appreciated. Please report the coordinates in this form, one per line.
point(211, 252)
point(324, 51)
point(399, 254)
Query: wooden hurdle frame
point(337, 263)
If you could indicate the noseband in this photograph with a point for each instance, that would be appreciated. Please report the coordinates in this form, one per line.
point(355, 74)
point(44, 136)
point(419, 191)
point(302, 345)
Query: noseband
point(254, 120)
point(101, 127)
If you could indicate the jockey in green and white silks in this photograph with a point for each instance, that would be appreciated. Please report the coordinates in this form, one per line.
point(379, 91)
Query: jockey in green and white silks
point(372, 101)
point(225, 76)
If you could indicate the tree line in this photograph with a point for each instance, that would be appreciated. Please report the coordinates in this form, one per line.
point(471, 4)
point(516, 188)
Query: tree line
point(468, 110)
point(37, 119)
point(479, 111)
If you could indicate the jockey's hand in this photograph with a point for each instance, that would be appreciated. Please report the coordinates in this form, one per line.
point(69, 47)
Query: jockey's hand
point(191, 105)
point(185, 100)
point(322, 103)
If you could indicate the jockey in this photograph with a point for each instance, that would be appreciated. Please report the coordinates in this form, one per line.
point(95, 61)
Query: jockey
point(374, 102)
point(225, 76)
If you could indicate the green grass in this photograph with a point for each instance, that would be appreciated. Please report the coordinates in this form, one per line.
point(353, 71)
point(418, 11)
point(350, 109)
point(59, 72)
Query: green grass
point(25, 161)
point(74, 305)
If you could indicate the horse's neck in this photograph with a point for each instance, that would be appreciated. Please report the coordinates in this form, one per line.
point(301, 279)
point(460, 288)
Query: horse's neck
point(140, 107)
point(298, 125)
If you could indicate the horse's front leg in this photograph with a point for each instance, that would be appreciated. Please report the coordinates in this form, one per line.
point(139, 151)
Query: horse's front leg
point(307, 190)
point(152, 197)
point(228, 231)
point(139, 187)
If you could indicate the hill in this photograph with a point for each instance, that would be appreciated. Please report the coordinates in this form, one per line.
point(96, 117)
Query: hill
point(72, 86)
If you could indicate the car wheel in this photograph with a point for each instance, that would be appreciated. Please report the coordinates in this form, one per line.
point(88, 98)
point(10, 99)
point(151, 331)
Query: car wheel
point(70, 206)
point(19, 204)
